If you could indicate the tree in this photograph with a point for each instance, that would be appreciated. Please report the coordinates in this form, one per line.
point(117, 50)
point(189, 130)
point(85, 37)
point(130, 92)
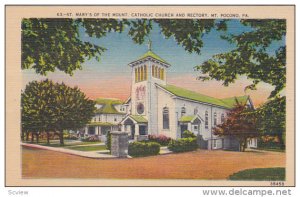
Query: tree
point(50, 44)
point(49, 106)
point(239, 123)
point(251, 57)
point(271, 119)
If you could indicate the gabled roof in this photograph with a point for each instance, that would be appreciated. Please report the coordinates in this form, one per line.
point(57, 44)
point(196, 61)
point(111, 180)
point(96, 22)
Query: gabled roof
point(139, 119)
point(135, 119)
point(184, 93)
point(186, 118)
point(188, 94)
point(231, 102)
point(101, 124)
point(191, 118)
point(108, 106)
point(151, 54)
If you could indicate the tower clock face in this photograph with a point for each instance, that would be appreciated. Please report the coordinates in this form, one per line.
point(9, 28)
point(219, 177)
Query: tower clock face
point(140, 108)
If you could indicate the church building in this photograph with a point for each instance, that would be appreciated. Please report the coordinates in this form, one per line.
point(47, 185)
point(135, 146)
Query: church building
point(156, 107)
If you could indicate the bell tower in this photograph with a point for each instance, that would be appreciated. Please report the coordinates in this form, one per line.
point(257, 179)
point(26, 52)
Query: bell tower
point(147, 70)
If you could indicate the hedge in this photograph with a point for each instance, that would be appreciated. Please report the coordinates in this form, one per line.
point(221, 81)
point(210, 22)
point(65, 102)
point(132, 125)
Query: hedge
point(93, 138)
point(141, 149)
point(188, 134)
point(161, 139)
point(183, 145)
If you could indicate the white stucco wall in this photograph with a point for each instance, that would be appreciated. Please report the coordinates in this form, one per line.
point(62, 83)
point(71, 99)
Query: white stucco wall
point(150, 100)
point(108, 118)
point(165, 100)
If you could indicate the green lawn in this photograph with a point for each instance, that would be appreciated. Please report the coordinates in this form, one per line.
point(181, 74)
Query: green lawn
point(272, 149)
point(260, 174)
point(56, 144)
point(87, 148)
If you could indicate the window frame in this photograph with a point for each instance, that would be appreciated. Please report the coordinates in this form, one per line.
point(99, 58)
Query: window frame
point(206, 120)
point(166, 114)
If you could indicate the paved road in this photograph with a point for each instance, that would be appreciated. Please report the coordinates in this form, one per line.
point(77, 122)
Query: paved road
point(193, 165)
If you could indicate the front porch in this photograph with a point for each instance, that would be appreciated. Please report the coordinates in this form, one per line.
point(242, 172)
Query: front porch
point(100, 129)
point(136, 126)
point(191, 123)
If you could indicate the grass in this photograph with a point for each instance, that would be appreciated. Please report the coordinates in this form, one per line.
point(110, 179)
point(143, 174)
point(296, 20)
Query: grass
point(88, 148)
point(272, 149)
point(260, 174)
point(56, 144)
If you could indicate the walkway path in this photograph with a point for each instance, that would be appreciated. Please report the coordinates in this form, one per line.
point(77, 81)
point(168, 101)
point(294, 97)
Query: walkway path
point(99, 154)
point(89, 154)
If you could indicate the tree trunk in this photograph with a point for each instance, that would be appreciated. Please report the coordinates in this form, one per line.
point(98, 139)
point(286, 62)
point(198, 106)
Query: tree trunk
point(22, 135)
point(244, 144)
point(37, 138)
point(27, 136)
point(281, 142)
point(48, 136)
point(61, 138)
point(32, 137)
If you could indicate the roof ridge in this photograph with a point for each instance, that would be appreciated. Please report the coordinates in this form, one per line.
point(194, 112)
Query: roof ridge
point(195, 92)
point(235, 97)
point(196, 96)
point(151, 54)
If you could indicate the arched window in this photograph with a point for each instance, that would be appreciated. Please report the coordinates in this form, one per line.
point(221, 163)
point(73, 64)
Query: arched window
point(152, 70)
point(162, 74)
point(156, 71)
point(183, 111)
point(215, 119)
point(196, 111)
point(136, 74)
point(145, 72)
point(206, 119)
point(165, 118)
point(139, 74)
point(222, 118)
point(142, 73)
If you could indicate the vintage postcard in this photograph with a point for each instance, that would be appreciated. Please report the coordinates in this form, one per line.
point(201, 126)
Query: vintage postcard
point(150, 95)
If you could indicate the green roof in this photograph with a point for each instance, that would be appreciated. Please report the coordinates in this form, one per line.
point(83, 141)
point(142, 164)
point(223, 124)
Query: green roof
point(139, 119)
point(108, 106)
point(186, 118)
point(226, 102)
point(181, 92)
point(100, 124)
point(231, 102)
point(153, 55)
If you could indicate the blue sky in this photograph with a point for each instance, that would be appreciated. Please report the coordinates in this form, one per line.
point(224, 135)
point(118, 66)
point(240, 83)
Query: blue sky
point(111, 76)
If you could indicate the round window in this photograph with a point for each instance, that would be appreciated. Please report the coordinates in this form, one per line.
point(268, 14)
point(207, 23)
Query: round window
point(140, 108)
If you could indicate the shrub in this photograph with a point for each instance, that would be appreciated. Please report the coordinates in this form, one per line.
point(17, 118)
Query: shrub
point(108, 141)
point(93, 138)
point(71, 137)
point(188, 134)
point(142, 149)
point(183, 145)
point(161, 139)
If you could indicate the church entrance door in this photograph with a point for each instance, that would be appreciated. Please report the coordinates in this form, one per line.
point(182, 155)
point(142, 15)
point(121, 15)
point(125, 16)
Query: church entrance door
point(132, 131)
point(183, 128)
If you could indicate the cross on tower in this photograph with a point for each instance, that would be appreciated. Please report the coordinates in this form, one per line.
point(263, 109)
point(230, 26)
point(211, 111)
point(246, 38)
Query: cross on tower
point(149, 45)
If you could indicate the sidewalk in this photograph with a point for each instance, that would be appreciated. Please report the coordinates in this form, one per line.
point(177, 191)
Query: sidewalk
point(89, 154)
point(164, 150)
point(101, 154)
